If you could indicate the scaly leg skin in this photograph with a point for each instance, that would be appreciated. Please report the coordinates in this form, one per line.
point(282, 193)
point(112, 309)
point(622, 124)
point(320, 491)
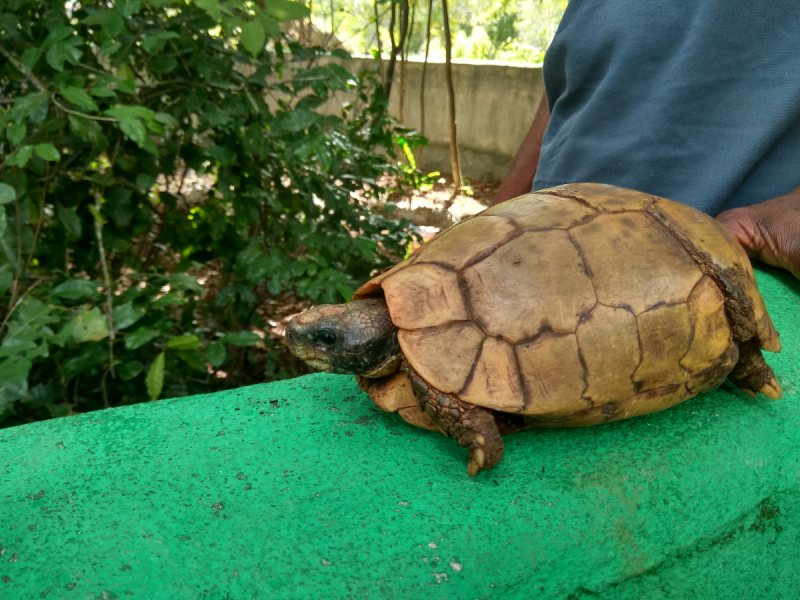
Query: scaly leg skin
point(752, 374)
point(472, 427)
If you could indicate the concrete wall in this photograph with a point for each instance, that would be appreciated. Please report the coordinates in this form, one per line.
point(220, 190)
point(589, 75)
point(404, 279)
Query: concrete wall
point(495, 105)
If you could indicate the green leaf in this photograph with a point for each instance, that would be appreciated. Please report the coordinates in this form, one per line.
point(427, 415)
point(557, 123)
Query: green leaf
point(86, 129)
point(126, 315)
point(166, 119)
point(184, 342)
point(128, 370)
point(182, 281)
point(47, 152)
point(6, 274)
point(346, 291)
point(127, 86)
point(211, 7)
point(216, 354)
point(88, 356)
point(299, 119)
point(13, 382)
point(30, 57)
point(70, 220)
point(171, 299)
point(16, 133)
point(30, 105)
point(284, 10)
point(12, 346)
point(241, 338)
point(109, 20)
point(134, 129)
point(56, 56)
point(7, 194)
point(131, 7)
point(102, 91)
point(86, 326)
point(341, 53)
point(253, 37)
point(155, 377)
point(193, 359)
point(80, 98)
point(76, 290)
point(154, 42)
point(140, 337)
point(20, 157)
point(58, 34)
point(110, 47)
point(271, 26)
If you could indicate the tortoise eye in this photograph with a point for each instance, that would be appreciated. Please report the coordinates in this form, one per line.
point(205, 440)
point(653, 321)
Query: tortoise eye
point(326, 337)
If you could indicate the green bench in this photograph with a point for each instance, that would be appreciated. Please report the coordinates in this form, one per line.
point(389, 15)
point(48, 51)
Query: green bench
point(303, 489)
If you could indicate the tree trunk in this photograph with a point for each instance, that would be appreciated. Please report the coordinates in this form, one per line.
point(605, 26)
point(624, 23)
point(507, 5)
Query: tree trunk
point(448, 68)
point(397, 44)
point(378, 41)
point(404, 57)
point(422, 80)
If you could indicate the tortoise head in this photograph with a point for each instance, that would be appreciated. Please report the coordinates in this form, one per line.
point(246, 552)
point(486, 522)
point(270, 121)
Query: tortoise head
point(357, 338)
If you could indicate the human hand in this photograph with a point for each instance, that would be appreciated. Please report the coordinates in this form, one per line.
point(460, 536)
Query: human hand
point(769, 231)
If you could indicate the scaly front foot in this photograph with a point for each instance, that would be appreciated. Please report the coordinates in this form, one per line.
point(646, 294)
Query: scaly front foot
point(472, 427)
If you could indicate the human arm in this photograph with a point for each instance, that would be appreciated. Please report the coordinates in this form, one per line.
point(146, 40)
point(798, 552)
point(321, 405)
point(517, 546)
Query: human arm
point(519, 178)
point(769, 231)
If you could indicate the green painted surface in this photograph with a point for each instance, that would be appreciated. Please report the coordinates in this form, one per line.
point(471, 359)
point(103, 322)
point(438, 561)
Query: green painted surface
point(302, 489)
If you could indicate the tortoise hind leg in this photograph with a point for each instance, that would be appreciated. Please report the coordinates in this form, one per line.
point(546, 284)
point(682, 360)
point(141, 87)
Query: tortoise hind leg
point(752, 374)
point(472, 427)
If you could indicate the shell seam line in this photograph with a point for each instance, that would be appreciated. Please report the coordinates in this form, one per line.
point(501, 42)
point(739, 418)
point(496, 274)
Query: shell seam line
point(476, 359)
point(735, 292)
point(510, 236)
point(568, 196)
point(587, 268)
point(692, 321)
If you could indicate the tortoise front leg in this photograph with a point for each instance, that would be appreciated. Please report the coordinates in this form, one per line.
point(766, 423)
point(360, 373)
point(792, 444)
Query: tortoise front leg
point(472, 427)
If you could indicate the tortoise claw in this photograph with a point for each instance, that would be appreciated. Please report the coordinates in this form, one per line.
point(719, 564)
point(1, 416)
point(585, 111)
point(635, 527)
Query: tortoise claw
point(771, 389)
point(477, 460)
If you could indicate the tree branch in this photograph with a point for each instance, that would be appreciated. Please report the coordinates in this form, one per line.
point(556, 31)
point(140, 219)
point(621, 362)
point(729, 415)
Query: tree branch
point(23, 69)
point(98, 231)
point(41, 216)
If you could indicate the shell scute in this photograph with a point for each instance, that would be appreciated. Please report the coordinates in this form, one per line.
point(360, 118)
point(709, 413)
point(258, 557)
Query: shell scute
point(619, 244)
point(537, 279)
point(466, 241)
point(543, 211)
point(609, 342)
point(444, 356)
point(604, 198)
point(711, 335)
point(437, 297)
point(664, 334)
point(553, 375)
point(496, 376)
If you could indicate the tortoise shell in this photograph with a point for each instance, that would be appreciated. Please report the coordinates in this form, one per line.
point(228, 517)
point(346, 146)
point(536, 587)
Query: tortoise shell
point(575, 305)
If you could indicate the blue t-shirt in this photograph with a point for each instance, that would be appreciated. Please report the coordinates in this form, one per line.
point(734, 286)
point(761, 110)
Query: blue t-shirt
point(693, 100)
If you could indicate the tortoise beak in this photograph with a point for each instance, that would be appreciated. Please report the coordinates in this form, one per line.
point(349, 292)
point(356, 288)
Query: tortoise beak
point(298, 346)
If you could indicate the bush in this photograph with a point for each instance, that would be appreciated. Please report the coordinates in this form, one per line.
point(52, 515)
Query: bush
point(103, 112)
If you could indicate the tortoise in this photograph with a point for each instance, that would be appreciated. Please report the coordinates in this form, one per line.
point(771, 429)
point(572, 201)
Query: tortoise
point(571, 306)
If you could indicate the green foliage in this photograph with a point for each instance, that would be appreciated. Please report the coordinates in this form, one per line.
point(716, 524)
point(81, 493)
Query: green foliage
point(507, 30)
point(116, 284)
